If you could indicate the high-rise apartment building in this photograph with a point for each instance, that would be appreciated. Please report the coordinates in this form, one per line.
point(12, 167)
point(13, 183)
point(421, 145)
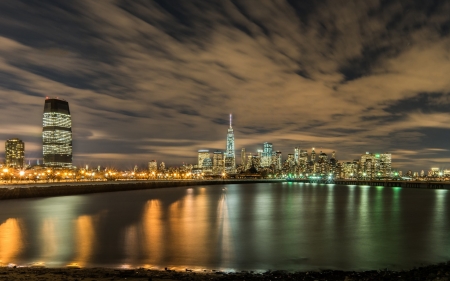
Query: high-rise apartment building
point(202, 156)
point(57, 133)
point(14, 153)
point(230, 157)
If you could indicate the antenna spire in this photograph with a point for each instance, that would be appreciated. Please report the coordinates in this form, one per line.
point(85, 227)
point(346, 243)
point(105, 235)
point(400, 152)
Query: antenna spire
point(231, 116)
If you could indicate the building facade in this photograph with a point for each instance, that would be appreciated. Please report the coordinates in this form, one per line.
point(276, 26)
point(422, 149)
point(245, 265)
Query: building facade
point(266, 155)
point(230, 157)
point(218, 163)
point(202, 155)
point(57, 133)
point(14, 153)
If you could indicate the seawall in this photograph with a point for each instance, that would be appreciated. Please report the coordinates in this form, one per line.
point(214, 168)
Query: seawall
point(65, 189)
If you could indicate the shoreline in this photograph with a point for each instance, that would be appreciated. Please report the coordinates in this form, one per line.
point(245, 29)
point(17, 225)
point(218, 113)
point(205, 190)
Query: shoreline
point(78, 188)
point(439, 271)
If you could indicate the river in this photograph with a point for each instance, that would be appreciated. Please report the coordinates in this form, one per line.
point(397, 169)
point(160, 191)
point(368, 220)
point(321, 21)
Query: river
point(287, 226)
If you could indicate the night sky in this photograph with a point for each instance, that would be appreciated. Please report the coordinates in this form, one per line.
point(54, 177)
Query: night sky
point(157, 79)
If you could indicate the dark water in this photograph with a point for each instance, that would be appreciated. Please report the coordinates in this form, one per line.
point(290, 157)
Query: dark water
point(290, 226)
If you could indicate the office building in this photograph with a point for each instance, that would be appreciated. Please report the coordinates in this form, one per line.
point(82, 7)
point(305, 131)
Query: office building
point(313, 155)
point(376, 165)
point(218, 163)
point(57, 133)
point(202, 156)
point(243, 159)
point(297, 155)
point(230, 157)
point(303, 158)
point(266, 155)
point(14, 153)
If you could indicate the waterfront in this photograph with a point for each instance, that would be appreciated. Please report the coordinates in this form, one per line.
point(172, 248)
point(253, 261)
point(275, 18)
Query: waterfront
point(291, 226)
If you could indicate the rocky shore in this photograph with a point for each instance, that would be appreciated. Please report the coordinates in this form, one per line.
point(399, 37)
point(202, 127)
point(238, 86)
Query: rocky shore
point(431, 272)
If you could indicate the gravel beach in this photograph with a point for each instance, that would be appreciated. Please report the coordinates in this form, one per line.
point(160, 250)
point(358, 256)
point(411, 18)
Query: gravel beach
point(431, 272)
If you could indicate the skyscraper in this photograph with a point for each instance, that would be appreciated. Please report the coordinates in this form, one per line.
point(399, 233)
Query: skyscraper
point(266, 156)
point(297, 155)
point(243, 157)
point(14, 153)
point(313, 155)
point(230, 158)
point(57, 133)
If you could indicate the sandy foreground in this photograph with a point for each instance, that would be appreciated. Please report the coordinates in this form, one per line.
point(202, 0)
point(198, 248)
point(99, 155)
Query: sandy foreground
point(432, 272)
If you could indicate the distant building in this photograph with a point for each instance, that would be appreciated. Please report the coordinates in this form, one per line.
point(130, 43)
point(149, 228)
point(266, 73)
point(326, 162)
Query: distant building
point(297, 155)
point(218, 163)
point(278, 160)
point(14, 153)
point(152, 166)
point(349, 170)
point(290, 160)
point(202, 155)
point(303, 158)
point(57, 133)
point(313, 155)
point(376, 165)
point(230, 157)
point(266, 155)
point(243, 159)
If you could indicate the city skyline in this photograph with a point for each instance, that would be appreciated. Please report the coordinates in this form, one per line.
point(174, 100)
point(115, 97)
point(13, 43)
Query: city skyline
point(156, 80)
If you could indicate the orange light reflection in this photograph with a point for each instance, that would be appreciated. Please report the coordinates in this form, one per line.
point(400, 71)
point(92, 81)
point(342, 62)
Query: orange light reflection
point(84, 239)
point(10, 241)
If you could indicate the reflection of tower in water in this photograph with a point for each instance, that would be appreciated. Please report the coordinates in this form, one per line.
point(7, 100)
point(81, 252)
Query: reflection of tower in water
point(10, 241)
point(225, 240)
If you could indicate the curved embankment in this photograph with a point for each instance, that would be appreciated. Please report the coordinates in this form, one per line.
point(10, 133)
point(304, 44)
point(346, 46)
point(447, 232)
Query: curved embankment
point(58, 189)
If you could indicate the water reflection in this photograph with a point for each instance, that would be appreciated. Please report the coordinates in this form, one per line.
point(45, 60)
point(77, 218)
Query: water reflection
point(153, 229)
point(10, 241)
point(49, 245)
point(246, 227)
point(84, 239)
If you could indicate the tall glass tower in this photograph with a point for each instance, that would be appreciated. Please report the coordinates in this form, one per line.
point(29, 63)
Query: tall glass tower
point(230, 157)
point(57, 133)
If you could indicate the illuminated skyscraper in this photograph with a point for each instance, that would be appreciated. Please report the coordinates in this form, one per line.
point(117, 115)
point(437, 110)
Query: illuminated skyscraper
point(266, 155)
point(303, 159)
point(230, 158)
point(313, 155)
point(57, 133)
point(243, 157)
point(14, 153)
point(278, 158)
point(297, 155)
